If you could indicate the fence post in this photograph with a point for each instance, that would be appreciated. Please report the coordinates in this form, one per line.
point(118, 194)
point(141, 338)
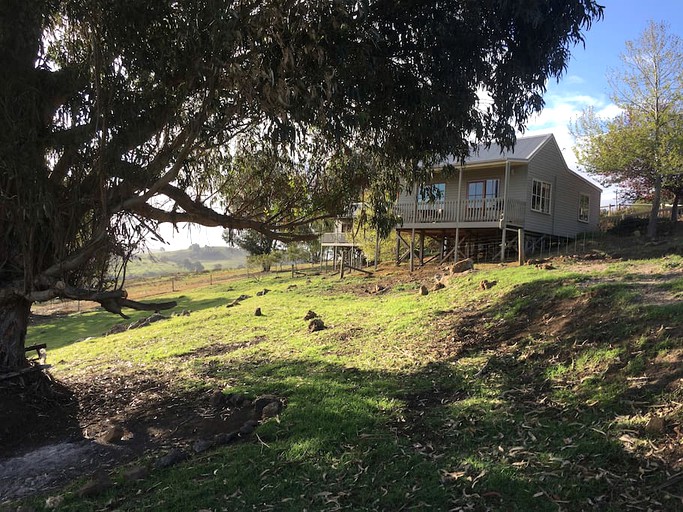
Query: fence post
point(520, 246)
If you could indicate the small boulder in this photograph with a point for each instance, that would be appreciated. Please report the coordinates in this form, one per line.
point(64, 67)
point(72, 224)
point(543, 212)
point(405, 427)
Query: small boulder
point(423, 290)
point(438, 286)
point(485, 284)
point(113, 434)
point(225, 438)
point(271, 410)
point(258, 312)
point(217, 399)
point(236, 399)
point(462, 266)
point(201, 445)
point(316, 325)
point(248, 427)
point(135, 473)
point(95, 486)
point(310, 315)
point(655, 425)
point(262, 292)
point(54, 501)
point(269, 402)
point(171, 458)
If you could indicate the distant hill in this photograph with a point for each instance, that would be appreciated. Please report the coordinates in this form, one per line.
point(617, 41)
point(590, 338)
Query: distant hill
point(193, 259)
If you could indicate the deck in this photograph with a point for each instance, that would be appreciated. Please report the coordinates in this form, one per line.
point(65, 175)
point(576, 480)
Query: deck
point(468, 213)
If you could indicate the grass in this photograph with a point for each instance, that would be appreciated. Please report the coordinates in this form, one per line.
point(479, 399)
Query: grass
point(513, 398)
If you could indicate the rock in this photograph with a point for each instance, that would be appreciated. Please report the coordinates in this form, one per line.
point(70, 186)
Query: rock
point(423, 290)
point(462, 266)
point(201, 445)
point(262, 292)
point(237, 301)
point(438, 286)
point(267, 401)
point(248, 427)
point(655, 425)
point(291, 287)
point(185, 312)
point(225, 438)
point(135, 473)
point(97, 485)
point(271, 410)
point(54, 501)
point(485, 284)
point(236, 399)
point(310, 315)
point(261, 402)
point(379, 288)
point(217, 399)
point(117, 329)
point(316, 325)
point(171, 458)
point(113, 435)
point(258, 312)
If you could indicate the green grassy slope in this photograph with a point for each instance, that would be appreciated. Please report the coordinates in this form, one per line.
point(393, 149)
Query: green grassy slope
point(536, 394)
point(162, 263)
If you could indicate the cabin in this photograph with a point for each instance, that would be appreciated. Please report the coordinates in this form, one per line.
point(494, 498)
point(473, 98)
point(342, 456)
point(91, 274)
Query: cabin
point(496, 205)
point(340, 242)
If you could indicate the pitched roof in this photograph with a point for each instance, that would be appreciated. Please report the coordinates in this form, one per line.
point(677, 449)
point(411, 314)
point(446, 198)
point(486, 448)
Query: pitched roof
point(525, 147)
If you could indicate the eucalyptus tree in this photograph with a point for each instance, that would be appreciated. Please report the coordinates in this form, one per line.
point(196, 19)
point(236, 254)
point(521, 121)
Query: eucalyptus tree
point(116, 116)
point(642, 147)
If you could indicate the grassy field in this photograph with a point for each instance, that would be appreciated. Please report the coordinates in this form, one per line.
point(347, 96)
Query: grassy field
point(556, 389)
point(163, 263)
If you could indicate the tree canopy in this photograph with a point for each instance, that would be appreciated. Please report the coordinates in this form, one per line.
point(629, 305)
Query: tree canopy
point(246, 114)
point(641, 149)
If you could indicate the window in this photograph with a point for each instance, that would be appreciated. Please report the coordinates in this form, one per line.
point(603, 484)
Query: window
point(584, 207)
point(540, 196)
point(485, 189)
point(436, 192)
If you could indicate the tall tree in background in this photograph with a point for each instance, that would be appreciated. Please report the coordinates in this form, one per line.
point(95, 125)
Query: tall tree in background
point(642, 147)
point(118, 116)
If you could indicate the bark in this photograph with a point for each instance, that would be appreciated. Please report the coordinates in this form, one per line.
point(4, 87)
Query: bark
point(14, 313)
point(674, 207)
point(654, 213)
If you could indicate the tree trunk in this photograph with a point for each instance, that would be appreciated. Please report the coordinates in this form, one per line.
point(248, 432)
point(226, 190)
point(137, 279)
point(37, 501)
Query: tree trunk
point(654, 213)
point(14, 313)
point(674, 207)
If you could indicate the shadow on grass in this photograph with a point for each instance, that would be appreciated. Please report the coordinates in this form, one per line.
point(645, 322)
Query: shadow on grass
point(62, 330)
point(527, 424)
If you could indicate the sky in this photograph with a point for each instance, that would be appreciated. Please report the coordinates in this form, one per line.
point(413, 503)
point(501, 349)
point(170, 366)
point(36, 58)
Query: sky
point(584, 84)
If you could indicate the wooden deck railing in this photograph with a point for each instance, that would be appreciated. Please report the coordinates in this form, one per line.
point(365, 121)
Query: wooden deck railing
point(335, 238)
point(471, 210)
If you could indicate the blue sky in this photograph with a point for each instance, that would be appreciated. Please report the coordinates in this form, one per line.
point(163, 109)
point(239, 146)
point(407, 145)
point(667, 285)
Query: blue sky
point(584, 84)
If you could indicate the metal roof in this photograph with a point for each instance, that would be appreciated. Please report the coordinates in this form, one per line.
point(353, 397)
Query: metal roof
point(525, 147)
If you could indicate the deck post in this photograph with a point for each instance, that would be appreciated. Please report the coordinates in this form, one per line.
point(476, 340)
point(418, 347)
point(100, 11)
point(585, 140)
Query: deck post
point(422, 247)
point(376, 249)
point(520, 246)
point(503, 223)
point(412, 249)
point(458, 207)
point(398, 247)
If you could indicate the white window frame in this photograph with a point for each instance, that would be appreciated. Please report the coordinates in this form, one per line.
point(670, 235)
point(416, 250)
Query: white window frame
point(584, 211)
point(543, 195)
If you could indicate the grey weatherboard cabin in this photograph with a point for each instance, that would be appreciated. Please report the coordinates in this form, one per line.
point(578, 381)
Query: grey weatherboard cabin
point(497, 198)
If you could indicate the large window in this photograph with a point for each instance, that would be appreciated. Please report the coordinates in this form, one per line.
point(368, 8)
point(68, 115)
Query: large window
point(540, 196)
point(584, 207)
point(434, 193)
point(484, 189)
